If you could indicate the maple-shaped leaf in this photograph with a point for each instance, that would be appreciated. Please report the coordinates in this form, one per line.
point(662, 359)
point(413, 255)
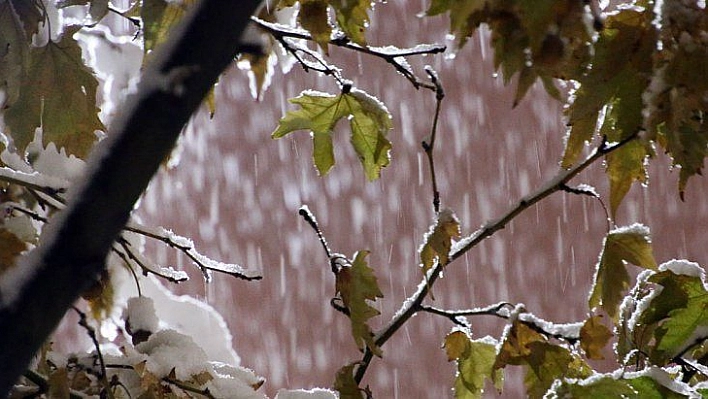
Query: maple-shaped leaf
point(58, 94)
point(545, 362)
point(676, 103)
point(625, 166)
point(625, 244)
point(475, 364)
point(14, 51)
point(601, 387)
point(680, 309)
point(352, 17)
point(613, 85)
point(357, 285)
point(313, 17)
point(438, 240)
point(345, 384)
point(543, 39)
point(10, 248)
point(158, 17)
point(369, 121)
point(594, 336)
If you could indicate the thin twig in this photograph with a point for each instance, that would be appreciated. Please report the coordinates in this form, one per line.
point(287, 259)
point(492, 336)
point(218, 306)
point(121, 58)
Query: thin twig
point(391, 56)
point(312, 221)
point(83, 322)
point(411, 306)
point(497, 310)
point(187, 247)
point(429, 145)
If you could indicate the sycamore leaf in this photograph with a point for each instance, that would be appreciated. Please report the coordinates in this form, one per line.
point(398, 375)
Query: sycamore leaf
point(314, 18)
point(100, 297)
point(626, 244)
point(158, 17)
point(14, 52)
point(357, 286)
point(58, 94)
point(345, 384)
point(352, 18)
point(544, 361)
point(475, 363)
point(368, 118)
point(625, 166)
point(594, 336)
point(58, 383)
point(681, 312)
point(547, 363)
point(456, 345)
point(676, 103)
point(604, 387)
point(621, 67)
point(653, 386)
point(10, 248)
point(438, 240)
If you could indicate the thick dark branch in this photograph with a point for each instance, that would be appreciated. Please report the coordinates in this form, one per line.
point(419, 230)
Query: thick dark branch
point(35, 294)
point(412, 305)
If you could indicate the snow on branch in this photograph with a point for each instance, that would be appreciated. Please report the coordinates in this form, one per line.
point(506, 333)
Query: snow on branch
point(186, 246)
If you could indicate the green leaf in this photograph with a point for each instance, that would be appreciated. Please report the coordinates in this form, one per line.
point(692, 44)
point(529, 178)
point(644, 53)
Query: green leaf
point(345, 384)
point(368, 118)
point(625, 166)
point(647, 387)
point(357, 286)
point(475, 364)
point(626, 244)
point(58, 94)
point(352, 18)
point(620, 72)
point(605, 387)
point(680, 310)
point(158, 17)
point(594, 336)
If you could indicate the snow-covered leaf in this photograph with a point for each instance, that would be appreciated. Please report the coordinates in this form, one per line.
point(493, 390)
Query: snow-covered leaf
point(369, 120)
point(438, 241)
point(627, 244)
point(475, 364)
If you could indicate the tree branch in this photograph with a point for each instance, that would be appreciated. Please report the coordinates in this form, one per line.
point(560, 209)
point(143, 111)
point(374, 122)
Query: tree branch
point(390, 54)
point(35, 294)
point(412, 305)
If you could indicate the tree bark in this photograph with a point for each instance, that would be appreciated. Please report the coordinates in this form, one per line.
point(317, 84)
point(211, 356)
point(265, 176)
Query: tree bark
point(73, 250)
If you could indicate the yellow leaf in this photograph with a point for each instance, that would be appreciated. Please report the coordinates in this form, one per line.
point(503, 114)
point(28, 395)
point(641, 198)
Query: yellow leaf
point(58, 94)
point(594, 336)
point(626, 244)
point(456, 344)
point(10, 248)
point(313, 17)
point(345, 384)
point(356, 284)
point(438, 240)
